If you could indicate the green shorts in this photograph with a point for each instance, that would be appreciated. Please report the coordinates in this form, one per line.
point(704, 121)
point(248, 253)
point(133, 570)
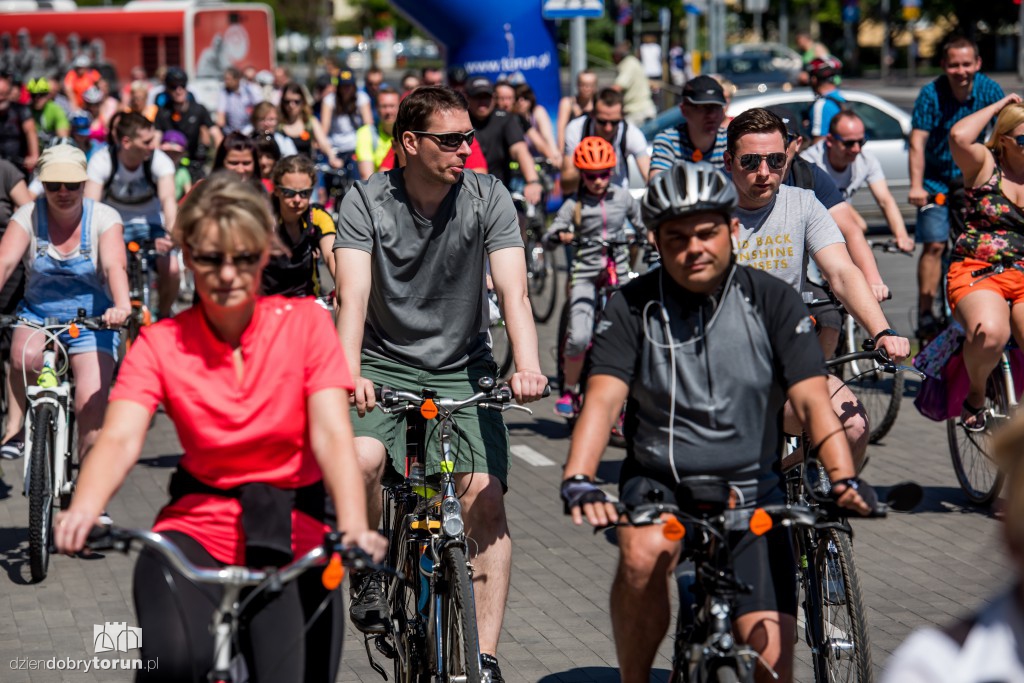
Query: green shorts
point(480, 442)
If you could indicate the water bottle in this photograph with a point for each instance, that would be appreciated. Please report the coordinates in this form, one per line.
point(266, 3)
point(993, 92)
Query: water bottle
point(417, 475)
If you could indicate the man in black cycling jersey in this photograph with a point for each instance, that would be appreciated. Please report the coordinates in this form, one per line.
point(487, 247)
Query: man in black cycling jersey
point(706, 351)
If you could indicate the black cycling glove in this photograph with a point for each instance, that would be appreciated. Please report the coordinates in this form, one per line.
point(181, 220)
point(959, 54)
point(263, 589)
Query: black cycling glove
point(580, 490)
point(866, 491)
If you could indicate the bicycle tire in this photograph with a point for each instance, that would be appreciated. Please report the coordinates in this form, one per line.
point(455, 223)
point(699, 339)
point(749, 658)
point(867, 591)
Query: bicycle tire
point(459, 637)
point(977, 473)
point(69, 458)
point(40, 491)
point(402, 599)
point(880, 393)
point(542, 280)
point(844, 653)
point(725, 674)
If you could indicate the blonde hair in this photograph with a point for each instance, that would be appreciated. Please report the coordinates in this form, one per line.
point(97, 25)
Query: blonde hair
point(234, 206)
point(1009, 118)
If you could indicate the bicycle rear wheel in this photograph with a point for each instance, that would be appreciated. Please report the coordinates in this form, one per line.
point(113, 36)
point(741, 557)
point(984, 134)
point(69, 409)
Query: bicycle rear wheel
point(40, 490)
point(975, 469)
point(459, 638)
point(881, 393)
point(843, 651)
point(542, 279)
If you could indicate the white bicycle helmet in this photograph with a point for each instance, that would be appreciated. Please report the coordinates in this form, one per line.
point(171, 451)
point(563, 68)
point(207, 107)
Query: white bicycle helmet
point(686, 189)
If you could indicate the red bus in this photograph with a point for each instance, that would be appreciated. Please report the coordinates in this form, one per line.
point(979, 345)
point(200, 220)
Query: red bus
point(201, 37)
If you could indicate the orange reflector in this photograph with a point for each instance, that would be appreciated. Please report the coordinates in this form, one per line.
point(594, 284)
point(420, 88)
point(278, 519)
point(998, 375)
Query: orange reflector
point(673, 529)
point(73, 331)
point(133, 247)
point(428, 409)
point(334, 572)
point(940, 199)
point(760, 522)
point(698, 155)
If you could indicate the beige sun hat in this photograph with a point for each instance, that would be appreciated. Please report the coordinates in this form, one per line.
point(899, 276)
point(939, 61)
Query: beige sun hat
point(63, 164)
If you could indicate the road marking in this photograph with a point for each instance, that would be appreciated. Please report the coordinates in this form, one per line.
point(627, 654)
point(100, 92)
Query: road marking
point(531, 456)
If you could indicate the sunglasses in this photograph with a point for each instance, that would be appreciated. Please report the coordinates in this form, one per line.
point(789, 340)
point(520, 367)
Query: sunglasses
point(55, 186)
point(850, 144)
point(172, 88)
point(607, 122)
point(288, 192)
point(291, 101)
point(603, 175)
point(217, 259)
point(752, 162)
point(1019, 139)
point(449, 140)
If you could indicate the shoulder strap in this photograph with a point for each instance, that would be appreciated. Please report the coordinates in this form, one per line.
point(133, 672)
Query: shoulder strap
point(147, 171)
point(112, 151)
point(803, 174)
point(577, 215)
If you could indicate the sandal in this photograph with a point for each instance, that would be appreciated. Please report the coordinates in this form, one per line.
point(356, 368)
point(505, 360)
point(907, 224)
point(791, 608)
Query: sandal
point(975, 420)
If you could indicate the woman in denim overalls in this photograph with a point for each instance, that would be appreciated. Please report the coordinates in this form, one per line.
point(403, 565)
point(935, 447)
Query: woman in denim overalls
point(74, 255)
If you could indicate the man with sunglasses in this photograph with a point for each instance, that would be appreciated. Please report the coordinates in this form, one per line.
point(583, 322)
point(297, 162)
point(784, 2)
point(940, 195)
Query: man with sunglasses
point(701, 136)
point(410, 256)
point(606, 121)
point(781, 227)
point(842, 156)
point(959, 92)
point(501, 138)
point(183, 114)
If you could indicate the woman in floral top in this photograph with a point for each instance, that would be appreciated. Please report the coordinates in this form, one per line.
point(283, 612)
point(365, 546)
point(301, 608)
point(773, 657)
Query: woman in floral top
point(994, 187)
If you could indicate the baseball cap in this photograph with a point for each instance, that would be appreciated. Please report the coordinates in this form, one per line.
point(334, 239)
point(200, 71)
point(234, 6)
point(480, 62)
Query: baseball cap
point(479, 85)
point(82, 62)
point(174, 141)
point(346, 78)
point(92, 96)
point(81, 123)
point(64, 164)
point(704, 90)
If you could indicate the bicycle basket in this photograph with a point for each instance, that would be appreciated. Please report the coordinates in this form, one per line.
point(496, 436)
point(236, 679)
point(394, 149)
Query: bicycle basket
point(703, 495)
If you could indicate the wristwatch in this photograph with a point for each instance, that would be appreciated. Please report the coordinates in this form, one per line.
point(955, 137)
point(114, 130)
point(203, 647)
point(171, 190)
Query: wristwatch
point(887, 332)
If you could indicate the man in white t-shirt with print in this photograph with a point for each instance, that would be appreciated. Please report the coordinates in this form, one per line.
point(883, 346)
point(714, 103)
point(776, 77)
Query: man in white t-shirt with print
point(606, 121)
point(138, 181)
point(781, 226)
point(842, 156)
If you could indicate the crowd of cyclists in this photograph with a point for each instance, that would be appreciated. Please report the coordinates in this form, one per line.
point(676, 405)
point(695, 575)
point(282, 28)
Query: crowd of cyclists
point(713, 352)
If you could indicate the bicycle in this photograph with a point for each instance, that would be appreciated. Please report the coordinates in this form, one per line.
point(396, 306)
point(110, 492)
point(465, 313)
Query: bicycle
point(835, 619)
point(337, 182)
point(142, 255)
point(704, 647)
point(51, 440)
point(975, 468)
point(433, 632)
point(541, 271)
point(229, 665)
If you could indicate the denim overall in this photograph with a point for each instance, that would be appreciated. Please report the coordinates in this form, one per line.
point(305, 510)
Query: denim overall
point(59, 288)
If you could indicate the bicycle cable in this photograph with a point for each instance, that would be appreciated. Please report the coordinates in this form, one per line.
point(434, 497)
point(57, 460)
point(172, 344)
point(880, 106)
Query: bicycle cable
point(54, 336)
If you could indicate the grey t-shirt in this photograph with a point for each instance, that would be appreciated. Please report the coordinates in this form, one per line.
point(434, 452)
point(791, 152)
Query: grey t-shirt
point(428, 303)
point(863, 171)
point(780, 237)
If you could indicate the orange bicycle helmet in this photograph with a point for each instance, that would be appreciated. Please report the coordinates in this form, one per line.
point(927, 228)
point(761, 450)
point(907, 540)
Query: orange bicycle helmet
point(594, 154)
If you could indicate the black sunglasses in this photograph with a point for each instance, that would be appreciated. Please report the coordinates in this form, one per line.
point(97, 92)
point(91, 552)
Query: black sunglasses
point(600, 175)
point(55, 186)
point(607, 122)
point(217, 259)
point(449, 140)
point(752, 162)
point(1019, 140)
point(849, 144)
point(288, 192)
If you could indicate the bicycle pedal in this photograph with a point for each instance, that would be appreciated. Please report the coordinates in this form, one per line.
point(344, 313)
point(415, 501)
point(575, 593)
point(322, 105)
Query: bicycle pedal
point(385, 647)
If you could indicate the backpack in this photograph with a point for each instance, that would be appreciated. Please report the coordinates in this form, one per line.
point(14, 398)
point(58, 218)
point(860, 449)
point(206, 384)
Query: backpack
point(147, 172)
point(807, 113)
point(801, 174)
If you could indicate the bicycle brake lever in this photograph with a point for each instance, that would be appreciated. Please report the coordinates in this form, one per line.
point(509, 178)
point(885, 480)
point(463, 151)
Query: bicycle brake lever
point(911, 369)
point(516, 406)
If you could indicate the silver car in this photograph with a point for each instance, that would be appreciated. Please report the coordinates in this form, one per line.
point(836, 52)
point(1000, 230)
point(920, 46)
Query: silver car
point(887, 128)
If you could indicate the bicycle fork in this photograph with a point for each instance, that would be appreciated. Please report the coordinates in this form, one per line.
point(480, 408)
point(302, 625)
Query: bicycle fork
point(48, 391)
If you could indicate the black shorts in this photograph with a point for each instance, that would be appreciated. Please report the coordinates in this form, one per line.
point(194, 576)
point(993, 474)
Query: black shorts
point(767, 563)
point(826, 314)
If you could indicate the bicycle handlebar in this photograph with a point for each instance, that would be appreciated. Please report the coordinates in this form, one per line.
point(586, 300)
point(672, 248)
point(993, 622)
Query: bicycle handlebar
point(121, 540)
point(607, 244)
point(879, 356)
point(92, 322)
point(890, 247)
point(492, 397)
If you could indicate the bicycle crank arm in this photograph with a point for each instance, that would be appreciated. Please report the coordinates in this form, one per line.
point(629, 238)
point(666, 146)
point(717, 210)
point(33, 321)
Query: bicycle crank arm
point(369, 655)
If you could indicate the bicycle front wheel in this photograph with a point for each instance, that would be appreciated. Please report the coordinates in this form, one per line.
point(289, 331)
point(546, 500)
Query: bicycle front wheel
point(543, 280)
point(459, 639)
point(40, 490)
point(881, 393)
point(402, 601)
point(973, 463)
point(843, 652)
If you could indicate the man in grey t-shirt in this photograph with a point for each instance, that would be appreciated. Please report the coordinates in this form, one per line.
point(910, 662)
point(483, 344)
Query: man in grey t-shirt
point(411, 253)
point(780, 229)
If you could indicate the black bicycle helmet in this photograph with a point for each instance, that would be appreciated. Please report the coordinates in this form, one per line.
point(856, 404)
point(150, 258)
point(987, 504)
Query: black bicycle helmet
point(175, 76)
point(688, 188)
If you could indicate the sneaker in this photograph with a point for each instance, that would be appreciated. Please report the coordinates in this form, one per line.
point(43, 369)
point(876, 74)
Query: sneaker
point(566, 406)
point(369, 609)
point(490, 669)
point(14, 448)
